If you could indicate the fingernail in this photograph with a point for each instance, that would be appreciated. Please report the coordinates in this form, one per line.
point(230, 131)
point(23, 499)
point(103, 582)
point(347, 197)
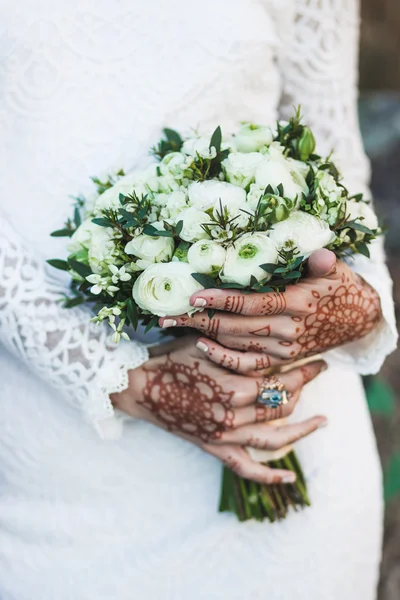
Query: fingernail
point(290, 478)
point(323, 424)
point(323, 367)
point(199, 303)
point(169, 323)
point(202, 346)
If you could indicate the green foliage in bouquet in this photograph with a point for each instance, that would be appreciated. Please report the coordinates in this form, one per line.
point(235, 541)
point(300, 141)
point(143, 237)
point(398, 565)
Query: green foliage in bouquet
point(237, 212)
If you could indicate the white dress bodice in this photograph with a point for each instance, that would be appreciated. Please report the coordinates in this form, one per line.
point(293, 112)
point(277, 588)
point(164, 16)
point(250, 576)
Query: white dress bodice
point(86, 88)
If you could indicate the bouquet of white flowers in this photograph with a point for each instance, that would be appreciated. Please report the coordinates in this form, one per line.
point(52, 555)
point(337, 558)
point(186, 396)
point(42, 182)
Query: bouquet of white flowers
point(243, 211)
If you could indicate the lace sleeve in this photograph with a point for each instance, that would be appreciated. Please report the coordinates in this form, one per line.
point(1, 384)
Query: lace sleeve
point(60, 345)
point(319, 66)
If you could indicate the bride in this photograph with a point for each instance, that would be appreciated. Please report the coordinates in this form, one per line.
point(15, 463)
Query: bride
point(98, 501)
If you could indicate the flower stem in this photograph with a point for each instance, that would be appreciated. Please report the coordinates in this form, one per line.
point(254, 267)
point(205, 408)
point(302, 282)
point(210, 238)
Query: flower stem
point(250, 500)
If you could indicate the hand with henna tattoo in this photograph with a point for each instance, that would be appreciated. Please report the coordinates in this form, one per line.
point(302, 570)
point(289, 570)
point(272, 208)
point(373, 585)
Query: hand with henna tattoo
point(186, 394)
point(250, 332)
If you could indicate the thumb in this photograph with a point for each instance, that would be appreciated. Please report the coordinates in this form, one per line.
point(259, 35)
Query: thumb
point(322, 263)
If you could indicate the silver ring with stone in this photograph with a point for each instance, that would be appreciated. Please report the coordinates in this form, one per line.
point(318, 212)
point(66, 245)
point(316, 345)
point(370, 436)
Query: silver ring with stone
point(272, 392)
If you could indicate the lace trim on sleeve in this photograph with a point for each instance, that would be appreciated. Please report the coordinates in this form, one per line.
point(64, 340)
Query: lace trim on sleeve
point(62, 346)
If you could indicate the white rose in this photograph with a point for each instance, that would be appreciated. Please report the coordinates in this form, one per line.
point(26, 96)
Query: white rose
point(303, 232)
point(205, 195)
point(151, 249)
point(240, 168)
point(276, 169)
point(164, 289)
point(206, 256)
point(251, 138)
point(192, 224)
point(363, 213)
point(243, 259)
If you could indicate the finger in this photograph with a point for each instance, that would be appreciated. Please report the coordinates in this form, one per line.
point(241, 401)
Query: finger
point(245, 362)
point(322, 263)
point(240, 462)
point(281, 327)
point(267, 437)
point(234, 301)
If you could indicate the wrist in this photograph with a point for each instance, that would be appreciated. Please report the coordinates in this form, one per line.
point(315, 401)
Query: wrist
point(128, 399)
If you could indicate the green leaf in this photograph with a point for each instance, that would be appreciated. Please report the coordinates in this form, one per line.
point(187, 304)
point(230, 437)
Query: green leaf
point(253, 281)
point(205, 280)
point(57, 263)
point(179, 227)
point(153, 232)
point(360, 227)
point(231, 286)
point(71, 302)
point(132, 313)
point(79, 267)
point(152, 323)
point(380, 397)
point(269, 190)
point(363, 249)
point(357, 197)
point(211, 312)
point(174, 139)
point(62, 233)
point(292, 275)
point(216, 139)
point(280, 190)
point(392, 477)
point(266, 289)
point(77, 217)
point(269, 267)
point(102, 221)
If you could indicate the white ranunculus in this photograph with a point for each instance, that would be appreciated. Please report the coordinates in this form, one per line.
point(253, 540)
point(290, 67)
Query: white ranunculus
point(175, 203)
point(192, 229)
point(142, 183)
point(276, 169)
point(253, 196)
point(199, 146)
point(164, 289)
point(303, 232)
point(244, 257)
point(251, 138)
point(174, 164)
point(151, 249)
point(240, 168)
point(211, 194)
point(362, 212)
point(97, 240)
point(206, 256)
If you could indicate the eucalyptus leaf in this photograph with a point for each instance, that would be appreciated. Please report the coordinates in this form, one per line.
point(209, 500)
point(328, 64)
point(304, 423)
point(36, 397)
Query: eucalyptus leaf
point(269, 267)
point(205, 280)
point(216, 139)
point(62, 233)
point(71, 302)
point(132, 313)
point(152, 323)
point(102, 221)
point(57, 263)
point(79, 267)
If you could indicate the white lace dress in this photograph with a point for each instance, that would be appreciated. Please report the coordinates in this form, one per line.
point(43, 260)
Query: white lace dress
point(91, 512)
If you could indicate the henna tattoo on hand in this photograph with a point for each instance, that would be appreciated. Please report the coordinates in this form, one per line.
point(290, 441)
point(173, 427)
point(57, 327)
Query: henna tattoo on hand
point(348, 313)
point(187, 401)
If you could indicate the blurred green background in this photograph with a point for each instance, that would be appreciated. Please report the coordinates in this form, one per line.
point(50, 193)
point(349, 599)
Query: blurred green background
point(380, 124)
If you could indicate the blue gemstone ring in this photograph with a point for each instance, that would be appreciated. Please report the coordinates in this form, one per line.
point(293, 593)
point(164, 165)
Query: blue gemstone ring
point(272, 393)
